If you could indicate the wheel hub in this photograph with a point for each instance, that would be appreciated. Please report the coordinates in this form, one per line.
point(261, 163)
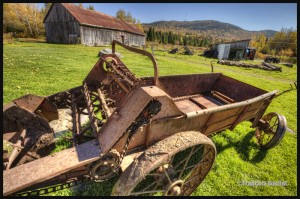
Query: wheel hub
point(174, 189)
point(102, 170)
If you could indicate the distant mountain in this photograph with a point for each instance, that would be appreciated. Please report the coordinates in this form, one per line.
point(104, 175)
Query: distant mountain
point(216, 29)
point(267, 33)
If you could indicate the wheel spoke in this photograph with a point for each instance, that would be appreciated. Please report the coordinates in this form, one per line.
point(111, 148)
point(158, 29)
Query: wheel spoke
point(261, 138)
point(153, 174)
point(197, 174)
point(271, 127)
point(182, 161)
point(194, 165)
point(192, 158)
point(186, 162)
point(172, 159)
point(149, 186)
point(167, 175)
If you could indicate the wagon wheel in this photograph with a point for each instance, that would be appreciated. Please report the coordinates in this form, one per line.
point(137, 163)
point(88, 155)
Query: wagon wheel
point(173, 166)
point(272, 131)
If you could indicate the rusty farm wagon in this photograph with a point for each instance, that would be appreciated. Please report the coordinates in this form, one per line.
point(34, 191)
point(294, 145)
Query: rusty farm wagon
point(154, 131)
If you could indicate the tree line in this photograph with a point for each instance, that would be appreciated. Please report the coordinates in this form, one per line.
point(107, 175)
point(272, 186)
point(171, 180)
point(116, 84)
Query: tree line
point(23, 19)
point(26, 19)
point(283, 43)
point(169, 37)
point(126, 16)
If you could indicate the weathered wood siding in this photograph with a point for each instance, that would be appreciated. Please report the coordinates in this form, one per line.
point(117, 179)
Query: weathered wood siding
point(61, 26)
point(93, 36)
point(239, 45)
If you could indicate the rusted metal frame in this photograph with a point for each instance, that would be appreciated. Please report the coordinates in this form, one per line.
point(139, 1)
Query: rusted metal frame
point(103, 103)
point(76, 121)
point(143, 52)
point(262, 110)
point(17, 148)
point(80, 111)
point(84, 130)
point(185, 97)
point(49, 167)
point(223, 97)
point(119, 83)
point(71, 176)
point(123, 75)
point(237, 121)
point(80, 97)
point(90, 110)
point(163, 119)
point(126, 71)
point(230, 106)
point(148, 132)
point(121, 72)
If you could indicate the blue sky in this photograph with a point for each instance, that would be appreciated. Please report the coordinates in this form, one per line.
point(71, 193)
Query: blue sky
point(249, 16)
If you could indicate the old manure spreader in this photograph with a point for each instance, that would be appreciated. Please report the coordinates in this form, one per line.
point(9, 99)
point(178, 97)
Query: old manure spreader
point(153, 131)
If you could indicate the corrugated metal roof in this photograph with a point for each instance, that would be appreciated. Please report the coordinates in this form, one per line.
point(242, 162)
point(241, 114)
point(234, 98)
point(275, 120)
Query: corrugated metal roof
point(98, 19)
point(229, 42)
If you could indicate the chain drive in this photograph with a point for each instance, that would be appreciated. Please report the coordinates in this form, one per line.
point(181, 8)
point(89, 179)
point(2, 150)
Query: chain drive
point(144, 117)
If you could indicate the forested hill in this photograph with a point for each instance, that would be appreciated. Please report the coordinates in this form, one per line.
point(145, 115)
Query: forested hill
point(211, 28)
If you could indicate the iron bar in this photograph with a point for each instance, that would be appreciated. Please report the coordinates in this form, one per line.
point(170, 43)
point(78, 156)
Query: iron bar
point(17, 149)
point(75, 129)
point(103, 103)
point(90, 110)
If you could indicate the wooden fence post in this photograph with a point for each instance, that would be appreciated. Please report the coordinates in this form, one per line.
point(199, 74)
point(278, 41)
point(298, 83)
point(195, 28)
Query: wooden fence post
point(152, 48)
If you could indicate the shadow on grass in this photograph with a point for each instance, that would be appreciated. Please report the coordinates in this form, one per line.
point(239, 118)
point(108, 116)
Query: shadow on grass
point(245, 147)
point(31, 40)
point(92, 188)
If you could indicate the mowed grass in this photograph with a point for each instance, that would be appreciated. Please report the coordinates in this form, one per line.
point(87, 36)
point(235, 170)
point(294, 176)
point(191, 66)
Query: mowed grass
point(44, 69)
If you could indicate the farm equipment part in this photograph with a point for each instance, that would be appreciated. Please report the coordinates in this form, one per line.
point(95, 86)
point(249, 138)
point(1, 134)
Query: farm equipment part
point(154, 131)
point(271, 59)
point(173, 51)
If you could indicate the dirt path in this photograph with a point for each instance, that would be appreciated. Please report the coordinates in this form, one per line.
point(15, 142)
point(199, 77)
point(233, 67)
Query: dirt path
point(239, 72)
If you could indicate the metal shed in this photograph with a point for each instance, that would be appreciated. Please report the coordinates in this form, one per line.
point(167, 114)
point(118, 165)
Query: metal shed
point(67, 24)
point(235, 50)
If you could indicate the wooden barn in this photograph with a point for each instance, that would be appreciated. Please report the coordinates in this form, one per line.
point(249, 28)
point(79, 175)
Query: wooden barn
point(66, 23)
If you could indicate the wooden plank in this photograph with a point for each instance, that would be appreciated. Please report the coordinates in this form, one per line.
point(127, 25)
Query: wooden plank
point(187, 106)
point(221, 115)
point(205, 102)
point(37, 171)
point(122, 118)
point(219, 125)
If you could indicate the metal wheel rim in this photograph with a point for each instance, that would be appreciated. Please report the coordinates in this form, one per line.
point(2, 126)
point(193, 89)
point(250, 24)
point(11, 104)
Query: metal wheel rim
point(191, 173)
point(274, 131)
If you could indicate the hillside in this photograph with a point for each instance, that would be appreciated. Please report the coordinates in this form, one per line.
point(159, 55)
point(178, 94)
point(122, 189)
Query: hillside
point(211, 28)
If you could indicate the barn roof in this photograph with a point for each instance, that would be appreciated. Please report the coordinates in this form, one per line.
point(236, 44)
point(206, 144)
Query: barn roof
point(98, 19)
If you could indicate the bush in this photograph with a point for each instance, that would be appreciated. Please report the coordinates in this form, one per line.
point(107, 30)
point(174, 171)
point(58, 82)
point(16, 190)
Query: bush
point(8, 38)
point(292, 60)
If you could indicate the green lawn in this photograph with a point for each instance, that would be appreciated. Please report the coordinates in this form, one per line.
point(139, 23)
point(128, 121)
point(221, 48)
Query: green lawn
point(44, 69)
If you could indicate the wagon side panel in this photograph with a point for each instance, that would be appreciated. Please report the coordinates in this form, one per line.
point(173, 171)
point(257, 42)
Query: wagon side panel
point(235, 89)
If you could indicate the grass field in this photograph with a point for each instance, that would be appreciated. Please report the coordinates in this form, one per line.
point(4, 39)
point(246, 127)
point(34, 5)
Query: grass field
point(44, 69)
